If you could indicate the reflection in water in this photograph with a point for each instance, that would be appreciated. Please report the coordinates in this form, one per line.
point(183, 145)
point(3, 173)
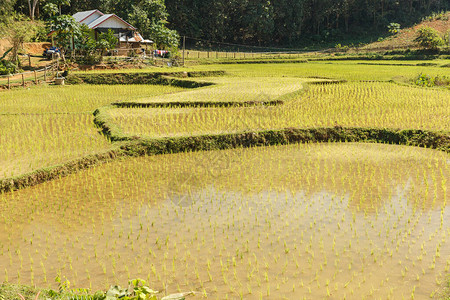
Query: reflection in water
point(314, 221)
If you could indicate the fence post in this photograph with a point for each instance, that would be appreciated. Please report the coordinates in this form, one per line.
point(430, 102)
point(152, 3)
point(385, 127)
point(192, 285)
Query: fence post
point(184, 47)
point(35, 77)
point(23, 81)
point(208, 53)
point(9, 85)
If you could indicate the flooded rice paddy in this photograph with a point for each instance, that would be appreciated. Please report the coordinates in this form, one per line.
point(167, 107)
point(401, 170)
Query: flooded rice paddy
point(337, 221)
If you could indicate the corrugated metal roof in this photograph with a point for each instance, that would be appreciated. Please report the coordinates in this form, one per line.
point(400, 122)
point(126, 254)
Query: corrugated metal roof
point(80, 16)
point(137, 38)
point(96, 23)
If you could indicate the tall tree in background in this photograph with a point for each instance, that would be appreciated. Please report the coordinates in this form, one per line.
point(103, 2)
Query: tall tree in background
point(288, 20)
point(148, 16)
point(32, 4)
point(82, 5)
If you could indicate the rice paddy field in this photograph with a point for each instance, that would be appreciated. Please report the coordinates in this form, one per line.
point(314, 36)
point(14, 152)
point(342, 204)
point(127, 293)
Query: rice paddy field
point(378, 104)
point(301, 221)
point(46, 126)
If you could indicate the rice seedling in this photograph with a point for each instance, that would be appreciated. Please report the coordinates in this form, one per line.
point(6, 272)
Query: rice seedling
point(47, 126)
point(274, 197)
point(381, 105)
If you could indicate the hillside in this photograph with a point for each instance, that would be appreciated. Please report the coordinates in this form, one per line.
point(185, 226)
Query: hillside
point(404, 39)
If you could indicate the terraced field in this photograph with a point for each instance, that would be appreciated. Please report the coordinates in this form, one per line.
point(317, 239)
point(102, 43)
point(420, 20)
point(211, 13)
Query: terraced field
point(348, 219)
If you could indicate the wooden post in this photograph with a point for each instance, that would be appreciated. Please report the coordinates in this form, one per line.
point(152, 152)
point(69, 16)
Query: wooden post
point(29, 60)
point(23, 81)
point(184, 47)
point(9, 84)
point(35, 77)
point(208, 53)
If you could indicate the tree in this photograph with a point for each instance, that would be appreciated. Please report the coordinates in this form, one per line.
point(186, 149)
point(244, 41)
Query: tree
point(50, 9)
point(18, 29)
point(59, 4)
point(6, 9)
point(66, 30)
point(428, 38)
point(32, 7)
point(148, 16)
point(106, 40)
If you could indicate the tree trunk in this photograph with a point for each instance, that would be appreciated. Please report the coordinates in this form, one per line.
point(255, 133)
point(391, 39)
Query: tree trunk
point(29, 9)
point(346, 22)
point(32, 8)
point(337, 21)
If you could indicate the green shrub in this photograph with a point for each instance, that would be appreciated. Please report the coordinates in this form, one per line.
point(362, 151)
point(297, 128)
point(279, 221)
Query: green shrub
point(430, 81)
point(7, 67)
point(394, 28)
point(428, 38)
point(437, 16)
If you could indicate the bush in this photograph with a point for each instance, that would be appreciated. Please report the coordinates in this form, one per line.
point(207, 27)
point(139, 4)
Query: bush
point(7, 67)
point(394, 28)
point(428, 38)
point(429, 81)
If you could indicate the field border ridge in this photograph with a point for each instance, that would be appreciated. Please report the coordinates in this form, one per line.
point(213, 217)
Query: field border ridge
point(139, 145)
point(154, 78)
point(247, 139)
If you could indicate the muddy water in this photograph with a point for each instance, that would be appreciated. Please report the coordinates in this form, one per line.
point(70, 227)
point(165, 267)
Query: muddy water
point(343, 221)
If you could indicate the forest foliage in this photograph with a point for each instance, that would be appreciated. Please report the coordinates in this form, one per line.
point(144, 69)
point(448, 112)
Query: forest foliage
point(250, 22)
point(286, 22)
